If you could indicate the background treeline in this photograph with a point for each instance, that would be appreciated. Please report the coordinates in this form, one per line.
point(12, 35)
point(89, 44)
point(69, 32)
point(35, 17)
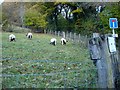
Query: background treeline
point(79, 17)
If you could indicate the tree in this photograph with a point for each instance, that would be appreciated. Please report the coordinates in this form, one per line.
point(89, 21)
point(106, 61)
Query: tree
point(35, 16)
point(111, 10)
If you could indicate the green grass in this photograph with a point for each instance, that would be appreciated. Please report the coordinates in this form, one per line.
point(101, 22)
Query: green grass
point(67, 65)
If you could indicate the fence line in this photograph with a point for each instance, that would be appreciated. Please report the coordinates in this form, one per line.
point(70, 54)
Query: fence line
point(47, 61)
point(61, 62)
point(67, 81)
point(76, 38)
point(70, 78)
point(65, 78)
point(46, 74)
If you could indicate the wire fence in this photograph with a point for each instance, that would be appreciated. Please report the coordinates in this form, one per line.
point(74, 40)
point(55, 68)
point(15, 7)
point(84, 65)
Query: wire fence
point(58, 74)
point(83, 41)
point(76, 38)
point(51, 73)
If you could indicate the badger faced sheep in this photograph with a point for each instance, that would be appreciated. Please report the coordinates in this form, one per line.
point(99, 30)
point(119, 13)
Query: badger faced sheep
point(29, 35)
point(63, 41)
point(12, 37)
point(53, 41)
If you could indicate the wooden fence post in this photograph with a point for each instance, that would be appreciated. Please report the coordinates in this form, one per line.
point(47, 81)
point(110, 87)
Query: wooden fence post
point(63, 34)
point(115, 64)
point(103, 62)
point(98, 57)
point(50, 32)
point(86, 40)
point(67, 35)
point(74, 38)
point(55, 32)
point(58, 33)
point(110, 78)
point(79, 37)
point(45, 31)
point(70, 35)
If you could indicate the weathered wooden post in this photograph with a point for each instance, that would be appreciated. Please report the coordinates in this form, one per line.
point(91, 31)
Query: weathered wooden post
point(97, 55)
point(115, 65)
point(55, 32)
point(21, 13)
point(100, 54)
point(50, 32)
point(58, 33)
point(63, 34)
point(79, 38)
point(45, 31)
point(110, 78)
point(86, 40)
point(67, 35)
point(74, 37)
point(70, 35)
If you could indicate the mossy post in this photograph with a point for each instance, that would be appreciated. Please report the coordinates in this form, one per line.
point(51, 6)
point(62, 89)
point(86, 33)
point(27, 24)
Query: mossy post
point(110, 78)
point(100, 55)
point(99, 60)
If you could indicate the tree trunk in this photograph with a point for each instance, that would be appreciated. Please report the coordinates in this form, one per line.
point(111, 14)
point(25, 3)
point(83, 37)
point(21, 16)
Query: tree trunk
point(21, 13)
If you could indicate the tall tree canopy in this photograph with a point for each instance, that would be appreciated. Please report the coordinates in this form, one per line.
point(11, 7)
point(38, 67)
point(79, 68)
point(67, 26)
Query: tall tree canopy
point(35, 16)
point(80, 17)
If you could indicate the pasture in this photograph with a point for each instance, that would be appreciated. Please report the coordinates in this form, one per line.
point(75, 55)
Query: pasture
point(37, 64)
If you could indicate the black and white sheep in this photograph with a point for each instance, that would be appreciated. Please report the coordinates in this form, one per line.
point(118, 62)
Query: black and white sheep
point(100, 8)
point(63, 41)
point(12, 37)
point(29, 35)
point(53, 41)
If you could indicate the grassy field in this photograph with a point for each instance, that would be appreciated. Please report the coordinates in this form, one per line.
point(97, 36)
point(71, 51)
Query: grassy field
point(37, 64)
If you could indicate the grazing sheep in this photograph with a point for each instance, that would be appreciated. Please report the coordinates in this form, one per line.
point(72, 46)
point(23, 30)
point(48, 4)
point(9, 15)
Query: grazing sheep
point(99, 8)
point(63, 41)
point(53, 41)
point(29, 35)
point(12, 37)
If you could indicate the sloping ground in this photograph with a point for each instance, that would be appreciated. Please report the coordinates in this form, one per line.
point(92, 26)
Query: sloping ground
point(36, 63)
point(16, 29)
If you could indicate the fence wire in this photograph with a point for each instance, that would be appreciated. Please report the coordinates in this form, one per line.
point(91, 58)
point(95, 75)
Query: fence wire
point(76, 38)
point(65, 77)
